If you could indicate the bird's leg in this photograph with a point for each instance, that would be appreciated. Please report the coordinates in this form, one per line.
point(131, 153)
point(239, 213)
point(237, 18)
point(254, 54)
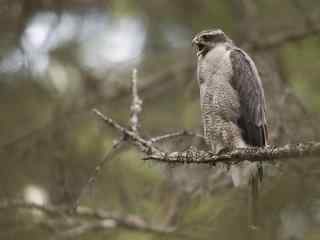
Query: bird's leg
point(218, 148)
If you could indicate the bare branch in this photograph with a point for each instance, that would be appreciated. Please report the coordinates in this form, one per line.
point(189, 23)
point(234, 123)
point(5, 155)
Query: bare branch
point(106, 220)
point(144, 145)
point(267, 154)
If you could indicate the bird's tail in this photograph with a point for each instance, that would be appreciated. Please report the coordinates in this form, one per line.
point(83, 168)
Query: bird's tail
point(253, 199)
point(249, 174)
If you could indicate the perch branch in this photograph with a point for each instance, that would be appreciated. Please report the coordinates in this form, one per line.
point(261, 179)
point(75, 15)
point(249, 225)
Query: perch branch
point(267, 154)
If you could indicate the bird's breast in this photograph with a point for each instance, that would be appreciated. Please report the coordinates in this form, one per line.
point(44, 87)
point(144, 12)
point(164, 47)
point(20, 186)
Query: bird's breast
point(216, 62)
point(217, 95)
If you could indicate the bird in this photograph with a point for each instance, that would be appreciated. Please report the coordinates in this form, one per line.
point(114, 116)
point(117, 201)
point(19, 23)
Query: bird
point(232, 99)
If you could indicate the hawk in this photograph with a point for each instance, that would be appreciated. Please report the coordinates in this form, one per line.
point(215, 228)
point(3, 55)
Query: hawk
point(232, 100)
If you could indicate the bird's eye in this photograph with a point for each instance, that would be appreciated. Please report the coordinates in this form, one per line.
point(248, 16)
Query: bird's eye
point(214, 38)
point(207, 37)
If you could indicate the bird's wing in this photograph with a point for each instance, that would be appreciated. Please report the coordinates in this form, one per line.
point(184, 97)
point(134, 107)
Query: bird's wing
point(246, 82)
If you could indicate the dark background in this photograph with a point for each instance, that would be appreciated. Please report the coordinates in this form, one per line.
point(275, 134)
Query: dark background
point(60, 59)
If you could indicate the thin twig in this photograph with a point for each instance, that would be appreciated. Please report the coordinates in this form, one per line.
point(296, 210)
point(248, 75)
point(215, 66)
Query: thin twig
point(175, 135)
point(115, 147)
point(136, 105)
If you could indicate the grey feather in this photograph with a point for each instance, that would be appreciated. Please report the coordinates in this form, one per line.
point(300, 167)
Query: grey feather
point(246, 82)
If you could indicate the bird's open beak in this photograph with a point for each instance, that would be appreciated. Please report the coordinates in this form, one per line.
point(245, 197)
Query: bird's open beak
point(195, 42)
point(200, 47)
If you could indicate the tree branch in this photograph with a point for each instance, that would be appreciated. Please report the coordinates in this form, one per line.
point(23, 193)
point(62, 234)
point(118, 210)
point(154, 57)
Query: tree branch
point(50, 210)
point(84, 220)
point(277, 40)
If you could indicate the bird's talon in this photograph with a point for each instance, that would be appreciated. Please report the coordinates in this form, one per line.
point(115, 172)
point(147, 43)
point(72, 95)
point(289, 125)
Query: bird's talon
point(224, 150)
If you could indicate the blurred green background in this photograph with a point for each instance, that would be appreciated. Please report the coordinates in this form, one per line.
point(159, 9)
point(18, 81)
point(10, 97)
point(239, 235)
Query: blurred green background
point(59, 59)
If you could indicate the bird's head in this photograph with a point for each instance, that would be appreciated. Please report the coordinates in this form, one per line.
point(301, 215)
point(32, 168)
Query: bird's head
point(208, 39)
